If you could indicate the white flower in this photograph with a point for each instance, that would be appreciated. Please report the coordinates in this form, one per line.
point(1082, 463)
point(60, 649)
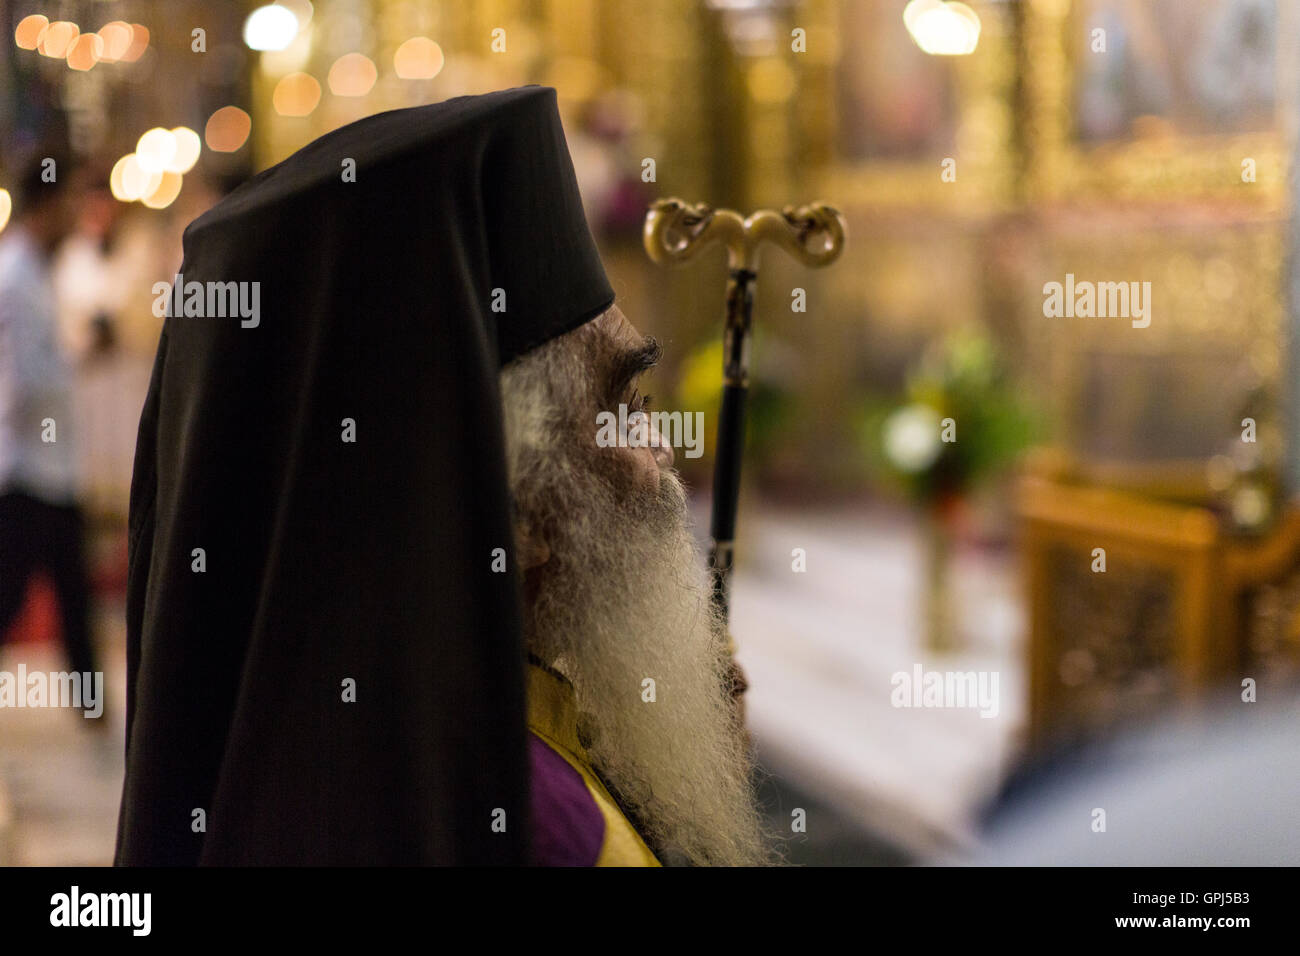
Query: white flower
point(911, 437)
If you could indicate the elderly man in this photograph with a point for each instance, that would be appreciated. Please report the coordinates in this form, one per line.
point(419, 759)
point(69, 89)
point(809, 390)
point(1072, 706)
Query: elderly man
point(390, 599)
point(614, 598)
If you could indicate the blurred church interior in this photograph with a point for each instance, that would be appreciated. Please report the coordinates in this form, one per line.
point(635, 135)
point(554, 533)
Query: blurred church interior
point(1114, 530)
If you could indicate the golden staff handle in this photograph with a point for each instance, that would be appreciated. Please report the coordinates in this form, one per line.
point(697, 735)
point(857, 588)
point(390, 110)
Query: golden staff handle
point(676, 232)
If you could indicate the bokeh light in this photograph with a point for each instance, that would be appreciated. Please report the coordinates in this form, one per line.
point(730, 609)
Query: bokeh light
point(29, 31)
point(942, 27)
point(58, 38)
point(116, 184)
point(188, 147)
point(272, 27)
point(116, 35)
point(6, 207)
point(419, 58)
point(301, 9)
point(139, 43)
point(165, 193)
point(156, 149)
point(227, 129)
point(296, 95)
point(85, 52)
point(353, 74)
point(129, 180)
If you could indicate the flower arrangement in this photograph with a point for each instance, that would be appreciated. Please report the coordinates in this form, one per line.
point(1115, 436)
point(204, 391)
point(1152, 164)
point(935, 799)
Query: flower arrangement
point(962, 421)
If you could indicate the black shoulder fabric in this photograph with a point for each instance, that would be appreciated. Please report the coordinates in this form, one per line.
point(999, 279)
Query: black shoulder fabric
point(323, 665)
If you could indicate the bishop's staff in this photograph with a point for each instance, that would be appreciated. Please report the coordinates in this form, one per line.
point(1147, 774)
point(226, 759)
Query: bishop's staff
point(676, 231)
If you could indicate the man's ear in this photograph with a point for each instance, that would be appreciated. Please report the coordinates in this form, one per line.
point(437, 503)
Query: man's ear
point(531, 549)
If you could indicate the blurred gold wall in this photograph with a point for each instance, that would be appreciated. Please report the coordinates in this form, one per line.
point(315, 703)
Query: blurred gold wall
point(782, 103)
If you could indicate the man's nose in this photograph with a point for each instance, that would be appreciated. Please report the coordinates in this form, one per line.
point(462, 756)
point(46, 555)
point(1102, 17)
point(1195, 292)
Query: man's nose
point(661, 449)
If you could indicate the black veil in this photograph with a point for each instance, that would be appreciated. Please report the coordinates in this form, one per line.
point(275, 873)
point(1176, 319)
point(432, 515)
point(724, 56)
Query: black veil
point(325, 560)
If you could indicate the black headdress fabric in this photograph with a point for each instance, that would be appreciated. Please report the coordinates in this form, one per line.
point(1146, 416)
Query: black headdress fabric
point(324, 659)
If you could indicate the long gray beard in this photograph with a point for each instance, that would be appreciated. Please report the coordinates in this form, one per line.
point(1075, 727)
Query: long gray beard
point(623, 611)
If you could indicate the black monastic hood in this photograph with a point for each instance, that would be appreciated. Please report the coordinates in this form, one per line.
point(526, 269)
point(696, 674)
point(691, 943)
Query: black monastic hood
point(329, 563)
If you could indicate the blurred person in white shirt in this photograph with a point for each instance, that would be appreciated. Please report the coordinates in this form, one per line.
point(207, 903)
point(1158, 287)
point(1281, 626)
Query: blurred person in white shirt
point(41, 524)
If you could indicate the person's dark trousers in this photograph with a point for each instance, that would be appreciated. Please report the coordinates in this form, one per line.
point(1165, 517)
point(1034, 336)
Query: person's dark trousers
point(35, 534)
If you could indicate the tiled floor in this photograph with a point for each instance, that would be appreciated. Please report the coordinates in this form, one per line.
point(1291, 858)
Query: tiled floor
point(63, 778)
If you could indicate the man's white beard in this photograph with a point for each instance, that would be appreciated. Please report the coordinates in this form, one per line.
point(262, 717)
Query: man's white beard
point(623, 602)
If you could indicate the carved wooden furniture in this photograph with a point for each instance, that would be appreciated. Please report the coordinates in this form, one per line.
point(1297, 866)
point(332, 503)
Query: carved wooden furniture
point(1181, 607)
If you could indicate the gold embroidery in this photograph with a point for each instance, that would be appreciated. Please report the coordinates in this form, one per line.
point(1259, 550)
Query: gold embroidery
point(553, 716)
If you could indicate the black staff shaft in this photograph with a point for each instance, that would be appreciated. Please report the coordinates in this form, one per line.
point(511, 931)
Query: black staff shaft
point(731, 430)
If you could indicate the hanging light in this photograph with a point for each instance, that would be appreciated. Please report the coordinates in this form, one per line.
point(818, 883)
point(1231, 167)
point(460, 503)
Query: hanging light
point(271, 27)
point(942, 27)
